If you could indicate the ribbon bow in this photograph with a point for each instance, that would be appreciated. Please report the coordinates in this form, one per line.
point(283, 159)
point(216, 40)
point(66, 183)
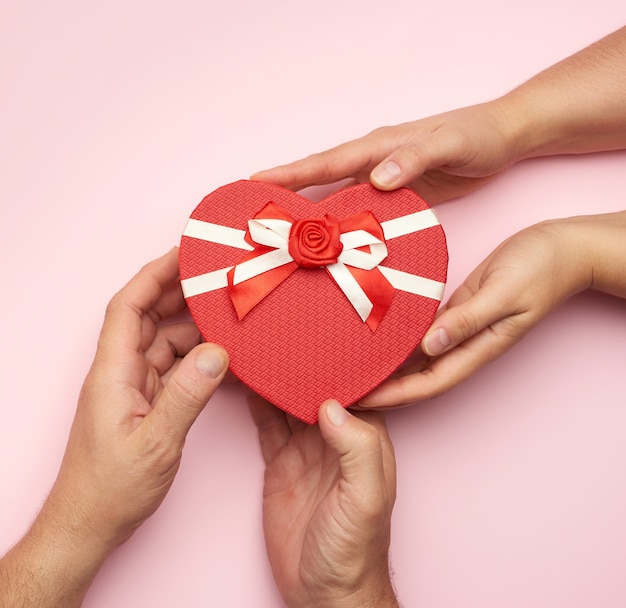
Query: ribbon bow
point(278, 252)
point(350, 250)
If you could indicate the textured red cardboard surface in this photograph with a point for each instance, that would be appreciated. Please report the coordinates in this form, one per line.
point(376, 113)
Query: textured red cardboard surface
point(304, 342)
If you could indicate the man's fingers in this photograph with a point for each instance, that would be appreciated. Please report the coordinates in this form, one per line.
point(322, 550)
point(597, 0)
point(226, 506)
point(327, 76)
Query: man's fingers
point(169, 343)
point(271, 422)
point(122, 325)
point(377, 419)
point(188, 390)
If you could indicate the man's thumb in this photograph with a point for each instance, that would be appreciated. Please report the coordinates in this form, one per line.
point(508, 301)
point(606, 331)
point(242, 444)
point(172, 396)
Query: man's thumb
point(190, 387)
point(358, 444)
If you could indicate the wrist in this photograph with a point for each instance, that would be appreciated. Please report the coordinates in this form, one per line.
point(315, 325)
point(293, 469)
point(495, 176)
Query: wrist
point(534, 123)
point(598, 245)
point(377, 592)
point(516, 124)
point(378, 595)
point(63, 537)
point(570, 265)
point(51, 565)
point(386, 599)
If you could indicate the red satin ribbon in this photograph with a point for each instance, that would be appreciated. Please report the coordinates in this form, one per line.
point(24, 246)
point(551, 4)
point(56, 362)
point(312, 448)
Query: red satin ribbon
point(247, 294)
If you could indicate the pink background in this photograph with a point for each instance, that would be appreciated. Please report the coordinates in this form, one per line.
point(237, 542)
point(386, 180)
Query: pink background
point(117, 117)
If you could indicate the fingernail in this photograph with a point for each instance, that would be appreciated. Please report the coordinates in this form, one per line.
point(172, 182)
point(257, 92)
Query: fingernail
point(336, 414)
point(386, 174)
point(437, 342)
point(211, 362)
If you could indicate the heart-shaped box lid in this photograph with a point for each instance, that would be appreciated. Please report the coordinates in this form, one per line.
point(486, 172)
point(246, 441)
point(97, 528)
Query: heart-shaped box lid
point(370, 272)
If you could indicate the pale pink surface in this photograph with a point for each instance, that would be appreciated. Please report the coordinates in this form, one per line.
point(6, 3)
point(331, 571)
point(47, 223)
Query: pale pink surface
point(118, 117)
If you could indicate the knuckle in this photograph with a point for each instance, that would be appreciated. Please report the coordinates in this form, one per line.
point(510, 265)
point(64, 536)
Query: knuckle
point(184, 396)
point(379, 132)
point(426, 384)
point(113, 306)
point(466, 325)
point(321, 163)
point(455, 138)
point(328, 165)
point(162, 449)
point(368, 438)
point(412, 155)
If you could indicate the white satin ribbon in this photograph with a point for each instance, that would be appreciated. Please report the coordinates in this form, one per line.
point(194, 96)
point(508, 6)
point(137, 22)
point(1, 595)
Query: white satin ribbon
point(275, 233)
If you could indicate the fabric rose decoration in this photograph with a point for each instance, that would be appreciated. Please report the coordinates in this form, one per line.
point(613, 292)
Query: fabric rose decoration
point(315, 242)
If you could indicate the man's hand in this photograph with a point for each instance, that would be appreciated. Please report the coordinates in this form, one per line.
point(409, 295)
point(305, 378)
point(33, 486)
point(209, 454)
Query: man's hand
point(327, 503)
point(147, 385)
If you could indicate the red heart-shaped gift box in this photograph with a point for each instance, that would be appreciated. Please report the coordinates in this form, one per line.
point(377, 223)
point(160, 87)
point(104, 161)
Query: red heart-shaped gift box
point(313, 300)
